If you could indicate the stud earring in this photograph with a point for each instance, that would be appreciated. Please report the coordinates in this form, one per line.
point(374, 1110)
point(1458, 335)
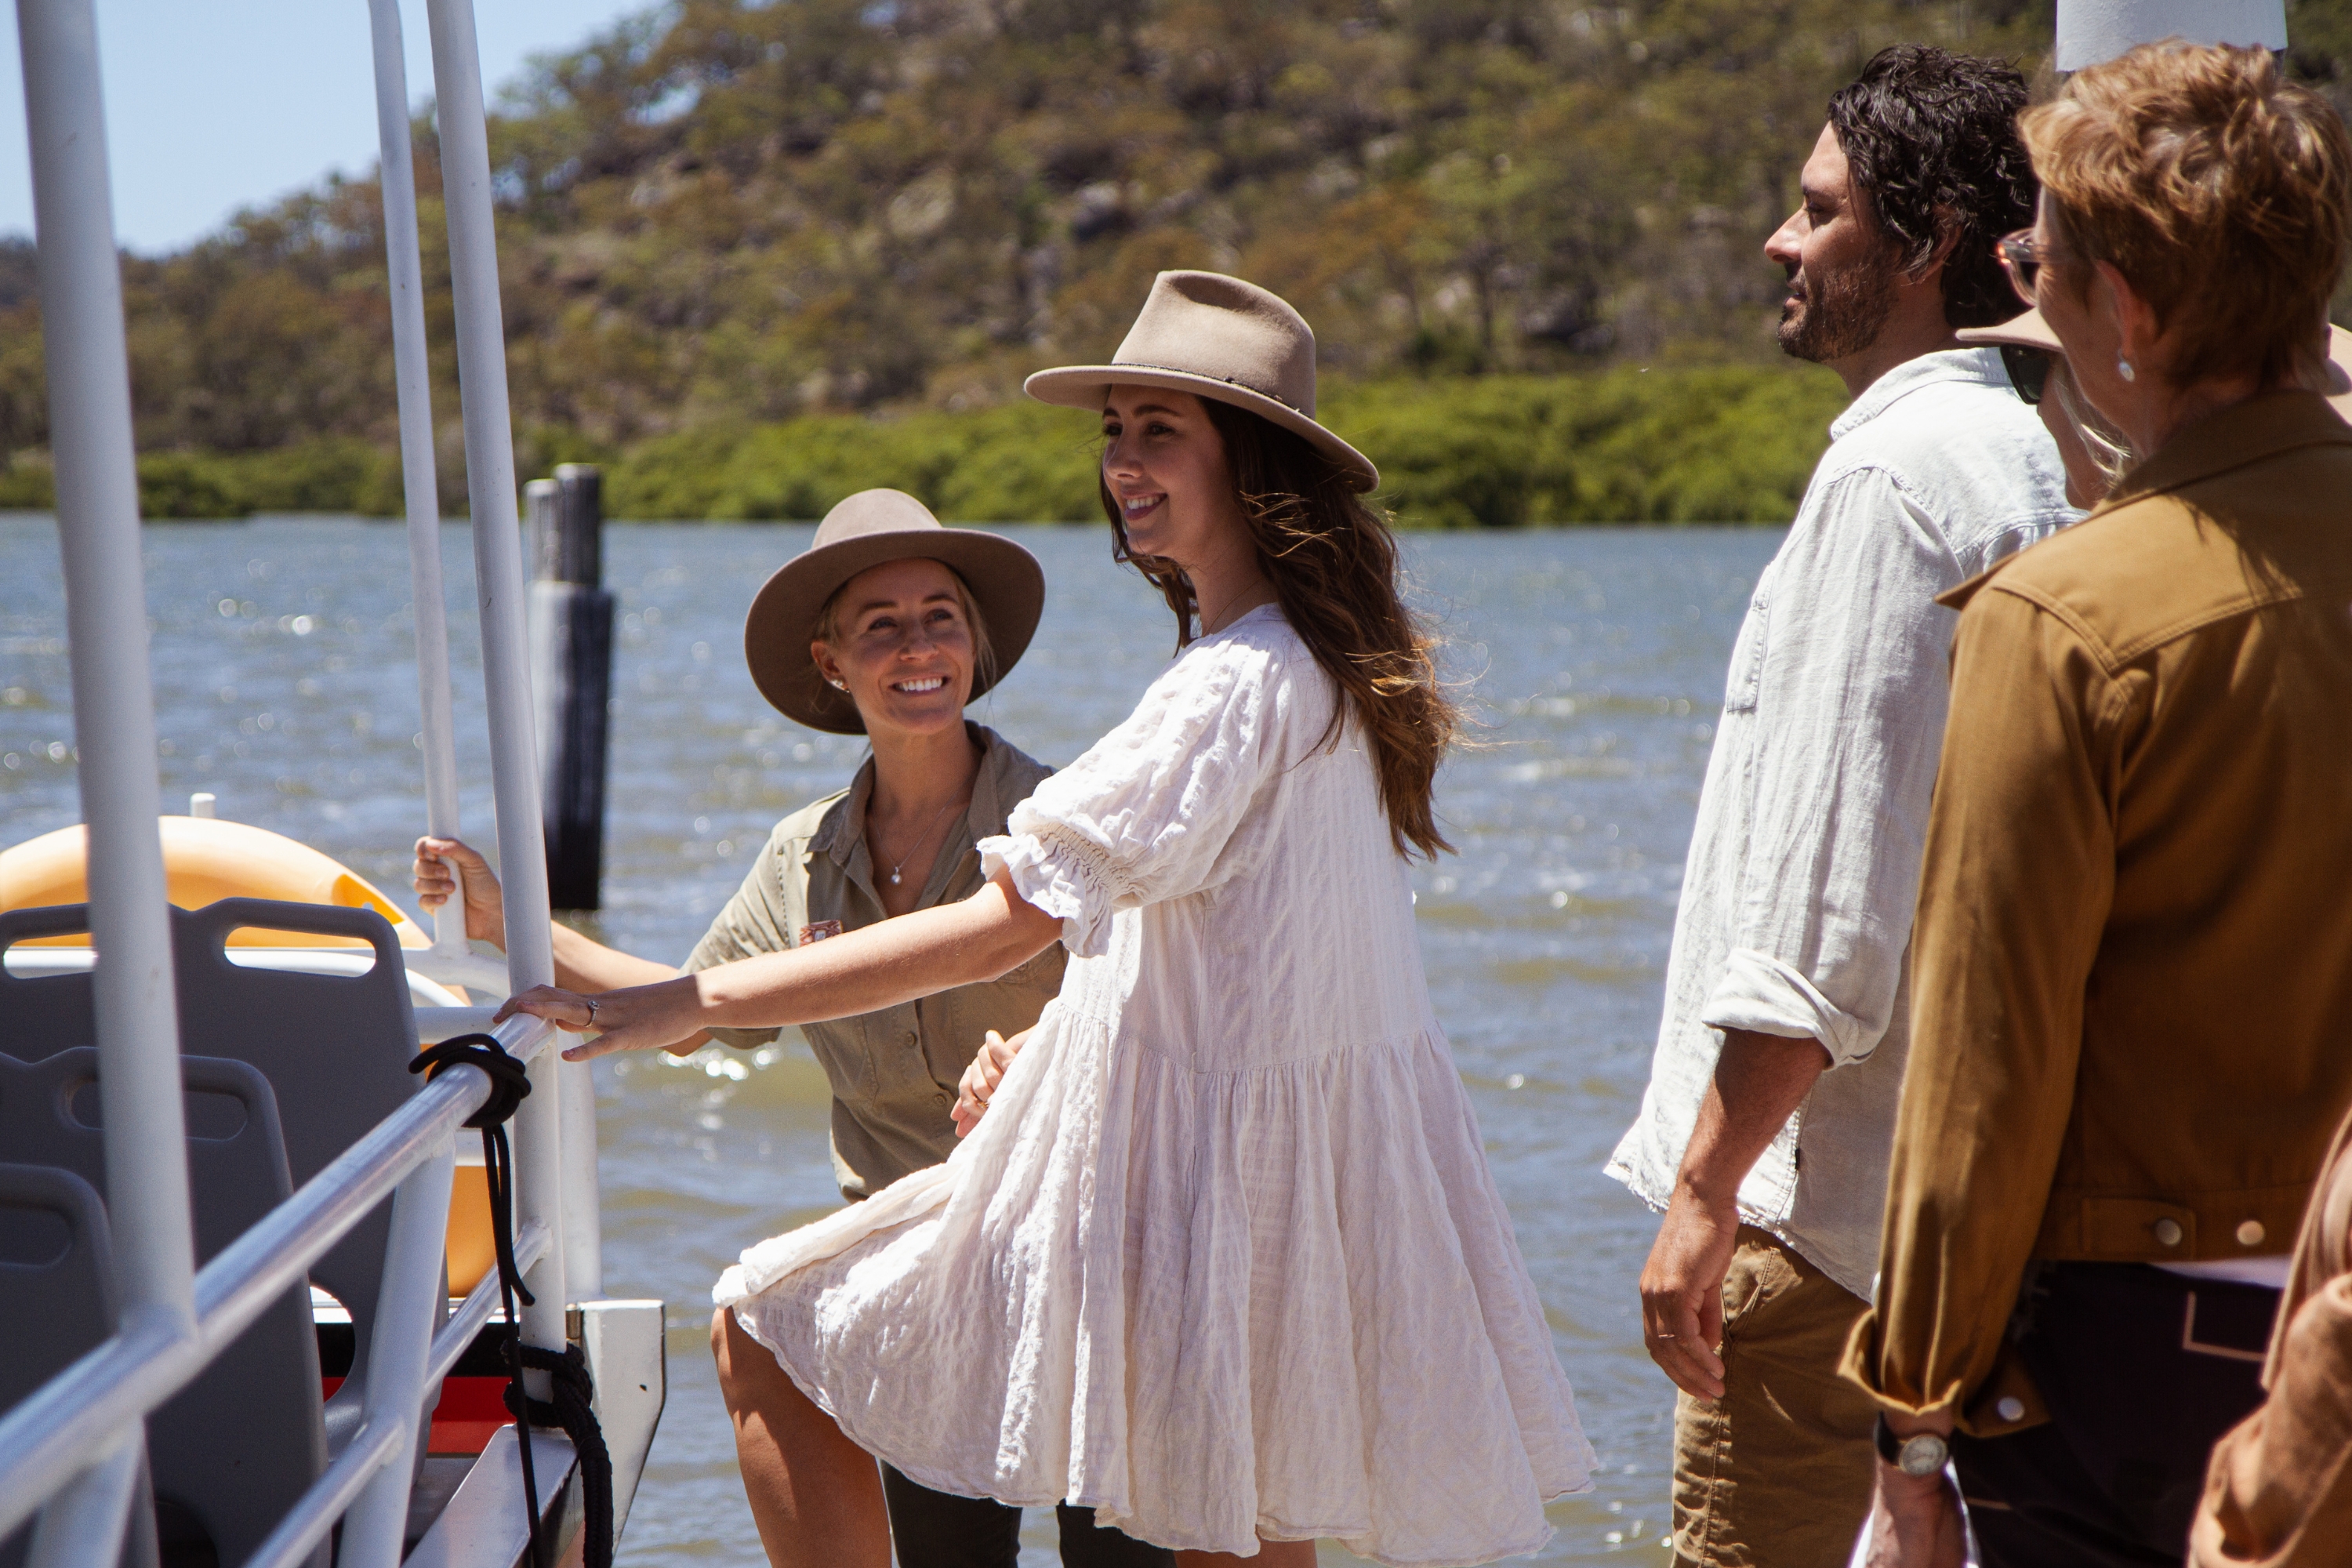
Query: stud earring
point(838, 685)
point(2124, 369)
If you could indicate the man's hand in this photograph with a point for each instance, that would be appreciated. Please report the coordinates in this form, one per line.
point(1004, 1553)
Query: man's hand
point(1681, 1292)
point(1759, 1082)
point(981, 1078)
point(1915, 1522)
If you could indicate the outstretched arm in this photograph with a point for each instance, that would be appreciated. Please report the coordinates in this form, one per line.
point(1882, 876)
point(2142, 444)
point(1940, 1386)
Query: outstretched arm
point(882, 966)
point(581, 963)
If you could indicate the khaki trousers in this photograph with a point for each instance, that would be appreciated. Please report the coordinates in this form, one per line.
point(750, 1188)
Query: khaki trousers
point(1777, 1473)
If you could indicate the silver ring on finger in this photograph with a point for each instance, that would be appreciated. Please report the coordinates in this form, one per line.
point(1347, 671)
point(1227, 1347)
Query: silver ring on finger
point(592, 1012)
point(1663, 1336)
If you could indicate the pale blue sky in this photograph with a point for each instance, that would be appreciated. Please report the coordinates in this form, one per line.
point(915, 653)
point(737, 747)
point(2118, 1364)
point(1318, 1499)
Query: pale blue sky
point(213, 105)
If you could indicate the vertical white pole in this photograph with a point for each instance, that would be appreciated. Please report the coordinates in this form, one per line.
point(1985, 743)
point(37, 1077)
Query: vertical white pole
point(498, 571)
point(584, 1222)
point(412, 381)
point(397, 1355)
point(83, 1523)
point(106, 629)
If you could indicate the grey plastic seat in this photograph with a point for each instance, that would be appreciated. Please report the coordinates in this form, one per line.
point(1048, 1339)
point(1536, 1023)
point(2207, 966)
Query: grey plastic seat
point(334, 1049)
point(57, 1295)
point(233, 1450)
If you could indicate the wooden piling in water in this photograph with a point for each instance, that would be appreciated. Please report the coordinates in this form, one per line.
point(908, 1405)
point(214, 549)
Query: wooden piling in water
point(572, 676)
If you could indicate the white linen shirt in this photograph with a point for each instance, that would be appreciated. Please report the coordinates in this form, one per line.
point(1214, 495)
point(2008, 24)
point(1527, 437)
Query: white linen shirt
point(1804, 862)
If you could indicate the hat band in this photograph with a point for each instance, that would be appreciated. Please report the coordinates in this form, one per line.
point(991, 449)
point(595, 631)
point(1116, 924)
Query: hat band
point(1204, 376)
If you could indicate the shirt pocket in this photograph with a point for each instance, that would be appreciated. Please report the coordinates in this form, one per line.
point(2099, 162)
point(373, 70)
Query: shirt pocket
point(1746, 676)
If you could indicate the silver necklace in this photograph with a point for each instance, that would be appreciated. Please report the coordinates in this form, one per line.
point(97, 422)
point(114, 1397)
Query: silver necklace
point(1230, 600)
point(918, 843)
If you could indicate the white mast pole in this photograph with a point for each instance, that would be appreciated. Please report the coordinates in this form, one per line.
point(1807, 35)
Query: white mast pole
point(91, 440)
point(419, 480)
point(113, 696)
point(499, 578)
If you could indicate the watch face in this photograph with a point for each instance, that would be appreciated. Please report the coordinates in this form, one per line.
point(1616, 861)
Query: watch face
point(1924, 1454)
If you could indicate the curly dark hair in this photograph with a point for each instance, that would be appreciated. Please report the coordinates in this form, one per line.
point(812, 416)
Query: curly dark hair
point(1932, 140)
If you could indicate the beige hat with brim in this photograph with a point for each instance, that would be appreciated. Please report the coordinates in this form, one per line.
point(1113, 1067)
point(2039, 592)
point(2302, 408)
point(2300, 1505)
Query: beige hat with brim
point(2026, 331)
point(871, 529)
point(1214, 337)
point(2031, 331)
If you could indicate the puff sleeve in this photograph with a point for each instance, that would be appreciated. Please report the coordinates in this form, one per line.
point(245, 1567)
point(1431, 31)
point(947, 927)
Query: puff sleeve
point(1153, 811)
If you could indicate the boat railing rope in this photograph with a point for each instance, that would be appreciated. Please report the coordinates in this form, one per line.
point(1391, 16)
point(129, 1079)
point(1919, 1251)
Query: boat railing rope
point(573, 1390)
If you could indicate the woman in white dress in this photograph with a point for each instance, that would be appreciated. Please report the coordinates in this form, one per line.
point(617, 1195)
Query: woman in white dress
point(1222, 1258)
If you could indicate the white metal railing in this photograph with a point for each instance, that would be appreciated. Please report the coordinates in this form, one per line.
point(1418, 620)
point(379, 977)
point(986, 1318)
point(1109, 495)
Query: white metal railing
point(71, 1453)
point(71, 1424)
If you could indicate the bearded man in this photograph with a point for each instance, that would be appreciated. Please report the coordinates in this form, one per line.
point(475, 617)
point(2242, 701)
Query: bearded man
point(1765, 1133)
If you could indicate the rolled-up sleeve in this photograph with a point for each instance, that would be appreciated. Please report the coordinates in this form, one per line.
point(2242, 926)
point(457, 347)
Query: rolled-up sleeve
point(1850, 695)
point(2014, 896)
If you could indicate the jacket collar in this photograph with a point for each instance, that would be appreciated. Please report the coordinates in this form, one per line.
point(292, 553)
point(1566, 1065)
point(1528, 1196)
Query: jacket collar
point(2261, 426)
point(1979, 367)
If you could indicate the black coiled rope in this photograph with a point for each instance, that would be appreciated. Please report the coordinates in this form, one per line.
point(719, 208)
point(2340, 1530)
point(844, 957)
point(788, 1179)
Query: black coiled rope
point(567, 1369)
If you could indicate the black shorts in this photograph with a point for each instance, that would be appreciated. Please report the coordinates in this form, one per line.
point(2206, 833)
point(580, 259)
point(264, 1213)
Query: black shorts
point(938, 1530)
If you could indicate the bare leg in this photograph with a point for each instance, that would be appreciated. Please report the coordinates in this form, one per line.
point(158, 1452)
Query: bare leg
point(816, 1495)
point(1270, 1555)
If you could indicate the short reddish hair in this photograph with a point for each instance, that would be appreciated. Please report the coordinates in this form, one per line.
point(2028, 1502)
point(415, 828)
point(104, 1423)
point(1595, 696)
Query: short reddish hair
point(2220, 191)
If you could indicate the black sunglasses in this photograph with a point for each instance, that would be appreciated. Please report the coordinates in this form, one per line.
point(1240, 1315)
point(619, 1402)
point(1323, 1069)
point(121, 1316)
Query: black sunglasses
point(2029, 372)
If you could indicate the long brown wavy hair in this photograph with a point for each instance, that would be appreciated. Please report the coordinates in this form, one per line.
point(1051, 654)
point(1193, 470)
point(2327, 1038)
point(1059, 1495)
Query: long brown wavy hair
point(1333, 563)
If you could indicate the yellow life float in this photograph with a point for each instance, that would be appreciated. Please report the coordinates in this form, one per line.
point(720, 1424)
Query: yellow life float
point(205, 859)
point(208, 859)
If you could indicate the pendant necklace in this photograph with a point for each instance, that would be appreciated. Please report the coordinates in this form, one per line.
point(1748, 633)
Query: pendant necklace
point(1232, 599)
point(918, 843)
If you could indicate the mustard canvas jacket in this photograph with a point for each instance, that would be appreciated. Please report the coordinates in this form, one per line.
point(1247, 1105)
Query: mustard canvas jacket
point(2132, 968)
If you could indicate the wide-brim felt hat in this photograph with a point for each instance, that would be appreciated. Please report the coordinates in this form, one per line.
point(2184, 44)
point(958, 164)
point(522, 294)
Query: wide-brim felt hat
point(1214, 337)
point(2031, 331)
point(867, 529)
point(2026, 331)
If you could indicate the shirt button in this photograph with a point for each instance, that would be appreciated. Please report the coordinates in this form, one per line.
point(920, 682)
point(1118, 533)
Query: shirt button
point(2167, 1232)
point(2011, 1409)
point(2250, 1233)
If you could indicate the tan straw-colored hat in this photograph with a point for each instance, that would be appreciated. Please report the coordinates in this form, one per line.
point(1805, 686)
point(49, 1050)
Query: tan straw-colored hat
point(1218, 337)
point(869, 529)
point(2026, 331)
point(2031, 331)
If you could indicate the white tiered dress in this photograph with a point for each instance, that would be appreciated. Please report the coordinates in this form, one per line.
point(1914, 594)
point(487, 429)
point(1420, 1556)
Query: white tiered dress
point(1223, 1259)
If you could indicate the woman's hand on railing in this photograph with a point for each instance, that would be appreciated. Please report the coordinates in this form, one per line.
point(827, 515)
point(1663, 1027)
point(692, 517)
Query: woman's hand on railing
point(486, 908)
point(640, 1019)
point(981, 1078)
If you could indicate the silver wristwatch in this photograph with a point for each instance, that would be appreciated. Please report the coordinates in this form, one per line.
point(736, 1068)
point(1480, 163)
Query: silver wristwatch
point(1921, 1454)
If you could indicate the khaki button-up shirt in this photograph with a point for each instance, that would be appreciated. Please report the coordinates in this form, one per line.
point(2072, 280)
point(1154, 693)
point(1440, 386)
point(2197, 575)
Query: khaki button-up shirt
point(2132, 964)
point(894, 1072)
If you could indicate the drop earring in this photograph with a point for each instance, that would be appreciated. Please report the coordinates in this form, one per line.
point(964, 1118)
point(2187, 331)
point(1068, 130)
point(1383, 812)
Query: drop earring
point(2124, 369)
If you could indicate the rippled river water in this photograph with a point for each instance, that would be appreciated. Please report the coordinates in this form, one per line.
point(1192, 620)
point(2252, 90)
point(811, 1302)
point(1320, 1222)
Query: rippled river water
point(286, 684)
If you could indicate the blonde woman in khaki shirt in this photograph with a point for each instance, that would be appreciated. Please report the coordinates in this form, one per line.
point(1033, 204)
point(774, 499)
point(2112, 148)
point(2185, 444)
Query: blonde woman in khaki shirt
point(888, 626)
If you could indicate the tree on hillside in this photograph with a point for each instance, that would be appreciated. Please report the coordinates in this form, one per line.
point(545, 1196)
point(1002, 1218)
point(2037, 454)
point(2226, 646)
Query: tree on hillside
point(721, 212)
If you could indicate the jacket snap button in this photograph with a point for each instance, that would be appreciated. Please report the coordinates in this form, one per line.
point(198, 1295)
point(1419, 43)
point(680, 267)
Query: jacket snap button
point(2167, 1231)
point(2250, 1233)
point(2011, 1409)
